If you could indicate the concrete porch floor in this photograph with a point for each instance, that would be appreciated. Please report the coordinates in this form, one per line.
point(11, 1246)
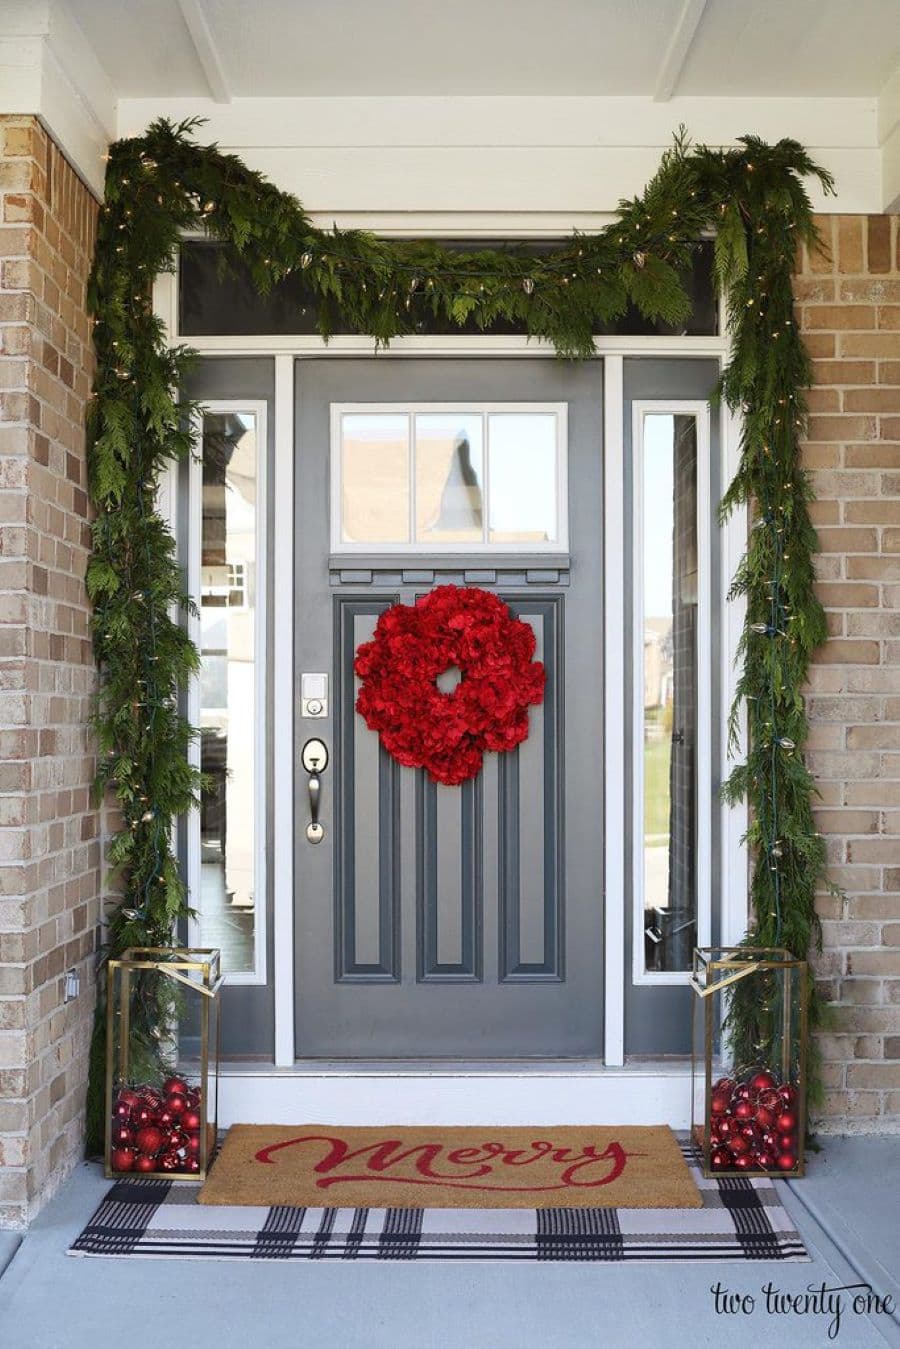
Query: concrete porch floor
point(846, 1209)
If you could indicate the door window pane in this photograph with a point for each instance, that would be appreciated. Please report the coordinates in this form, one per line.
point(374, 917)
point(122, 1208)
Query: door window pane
point(374, 453)
point(668, 583)
point(523, 495)
point(227, 903)
point(449, 478)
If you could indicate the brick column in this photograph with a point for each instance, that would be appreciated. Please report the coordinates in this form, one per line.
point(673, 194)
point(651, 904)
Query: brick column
point(848, 301)
point(50, 863)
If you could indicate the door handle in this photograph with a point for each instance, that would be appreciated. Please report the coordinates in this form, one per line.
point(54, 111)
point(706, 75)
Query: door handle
point(314, 757)
point(314, 831)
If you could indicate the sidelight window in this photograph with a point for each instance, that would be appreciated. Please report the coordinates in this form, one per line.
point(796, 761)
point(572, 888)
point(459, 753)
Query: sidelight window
point(671, 686)
point(226, 567)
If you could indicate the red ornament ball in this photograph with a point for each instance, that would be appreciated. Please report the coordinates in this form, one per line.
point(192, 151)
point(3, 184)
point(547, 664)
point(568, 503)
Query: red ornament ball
point(720, 1103)
point(744, 1110)
point(725, 1085)
point(788, 1093)
point(769, 1099)
point(762, 1081)
point(738, 1146)
point(122, 1159)
point(149, 1140)
point(745, 1162)
point(786, 1142)
point(786, 1122)
point(129, 1097)
point(193, 1145)
point(719, 1159)
point(122, 1111)
point(122, 1136)
point(785, 1161)
point(144, 1115)
point(175, 1086)
point(176, 1104)
point(142, 1163)
point(766, 1159)
point(190, 1120)
point(170, 1161)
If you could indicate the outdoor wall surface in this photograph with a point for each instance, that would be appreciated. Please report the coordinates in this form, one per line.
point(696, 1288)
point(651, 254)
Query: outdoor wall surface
point(50, 852)
point(50, 863)
point(848, 299)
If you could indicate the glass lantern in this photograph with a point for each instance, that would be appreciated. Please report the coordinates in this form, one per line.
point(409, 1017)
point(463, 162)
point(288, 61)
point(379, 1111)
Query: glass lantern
point(162, 1062)
point(748, 1079)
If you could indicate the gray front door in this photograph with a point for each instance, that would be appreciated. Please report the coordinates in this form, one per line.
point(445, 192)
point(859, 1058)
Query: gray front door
point(464, 921)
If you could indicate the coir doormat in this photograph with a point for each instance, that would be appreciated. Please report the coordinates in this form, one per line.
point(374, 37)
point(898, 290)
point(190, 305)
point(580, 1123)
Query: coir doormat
point(395, 1166)
point(739, 1219)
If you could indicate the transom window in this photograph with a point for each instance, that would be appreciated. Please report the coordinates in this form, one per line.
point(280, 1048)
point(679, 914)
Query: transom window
point(448, 477)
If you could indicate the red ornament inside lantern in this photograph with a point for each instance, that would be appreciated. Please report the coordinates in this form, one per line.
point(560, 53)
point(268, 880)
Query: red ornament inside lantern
point(154, 1131)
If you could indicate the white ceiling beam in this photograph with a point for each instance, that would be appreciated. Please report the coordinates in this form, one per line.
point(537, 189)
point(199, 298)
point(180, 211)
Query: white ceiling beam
point(205, 46)
point(677, 51)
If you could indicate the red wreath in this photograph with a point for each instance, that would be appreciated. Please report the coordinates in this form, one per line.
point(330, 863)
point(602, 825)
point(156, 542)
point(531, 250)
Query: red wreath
point(447, 733)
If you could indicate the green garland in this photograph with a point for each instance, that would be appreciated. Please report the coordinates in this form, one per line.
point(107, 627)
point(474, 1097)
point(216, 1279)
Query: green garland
point(163, 183)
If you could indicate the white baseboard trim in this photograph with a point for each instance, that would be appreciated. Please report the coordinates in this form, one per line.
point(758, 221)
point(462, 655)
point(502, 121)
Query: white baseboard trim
point(514, 1095)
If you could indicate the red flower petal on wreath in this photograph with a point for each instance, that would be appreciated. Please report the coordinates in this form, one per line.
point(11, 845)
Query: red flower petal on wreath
point(419, 724)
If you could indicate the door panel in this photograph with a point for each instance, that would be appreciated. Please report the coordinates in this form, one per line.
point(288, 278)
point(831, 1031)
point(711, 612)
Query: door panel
point(452, 921)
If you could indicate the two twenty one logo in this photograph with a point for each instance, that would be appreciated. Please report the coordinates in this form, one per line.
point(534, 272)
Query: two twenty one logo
point(490, 1166)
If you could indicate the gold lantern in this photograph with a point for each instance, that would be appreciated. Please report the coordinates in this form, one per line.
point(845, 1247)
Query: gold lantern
point(749, 1055)
point(162, 1062)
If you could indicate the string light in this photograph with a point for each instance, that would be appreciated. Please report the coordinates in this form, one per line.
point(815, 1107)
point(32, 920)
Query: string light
point(362, 266)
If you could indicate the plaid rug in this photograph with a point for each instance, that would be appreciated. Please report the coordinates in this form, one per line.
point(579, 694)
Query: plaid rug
point(741, 1219)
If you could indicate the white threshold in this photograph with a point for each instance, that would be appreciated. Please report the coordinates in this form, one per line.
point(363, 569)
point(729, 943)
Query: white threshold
point(514, 1092)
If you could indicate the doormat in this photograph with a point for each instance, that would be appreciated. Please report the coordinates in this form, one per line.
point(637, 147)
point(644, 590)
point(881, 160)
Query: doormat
point(397, 1166)
point(738, 1219)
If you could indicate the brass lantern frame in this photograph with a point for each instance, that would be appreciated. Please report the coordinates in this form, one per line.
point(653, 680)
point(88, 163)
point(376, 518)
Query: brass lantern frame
point(715, 968)
point(176, 963)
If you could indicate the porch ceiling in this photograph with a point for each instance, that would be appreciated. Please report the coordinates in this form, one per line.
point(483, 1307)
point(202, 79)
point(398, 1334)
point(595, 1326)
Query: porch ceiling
point(228, 49)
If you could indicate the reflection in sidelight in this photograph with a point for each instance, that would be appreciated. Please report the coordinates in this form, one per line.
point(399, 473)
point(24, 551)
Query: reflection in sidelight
point(668, 584)
point(228, 899)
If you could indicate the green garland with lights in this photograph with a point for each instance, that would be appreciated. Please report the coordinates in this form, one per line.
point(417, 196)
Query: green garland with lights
point(163, 183)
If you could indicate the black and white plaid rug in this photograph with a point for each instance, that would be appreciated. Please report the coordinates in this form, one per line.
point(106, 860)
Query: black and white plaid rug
point(741, 1219)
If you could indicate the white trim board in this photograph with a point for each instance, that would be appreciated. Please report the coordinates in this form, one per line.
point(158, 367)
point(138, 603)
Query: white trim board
point(651, 1093)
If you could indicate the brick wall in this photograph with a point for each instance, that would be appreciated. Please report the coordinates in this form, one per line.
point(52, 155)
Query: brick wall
point(49, 846)
point(849, 305)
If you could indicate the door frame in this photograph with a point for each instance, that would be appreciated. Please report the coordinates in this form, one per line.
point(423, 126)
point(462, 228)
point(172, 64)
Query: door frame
point(731, 860)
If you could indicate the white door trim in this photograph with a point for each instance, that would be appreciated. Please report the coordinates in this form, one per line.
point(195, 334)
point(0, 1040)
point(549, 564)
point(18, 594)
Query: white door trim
point(665, 1088)
point(283, 815)
point(614, 709)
